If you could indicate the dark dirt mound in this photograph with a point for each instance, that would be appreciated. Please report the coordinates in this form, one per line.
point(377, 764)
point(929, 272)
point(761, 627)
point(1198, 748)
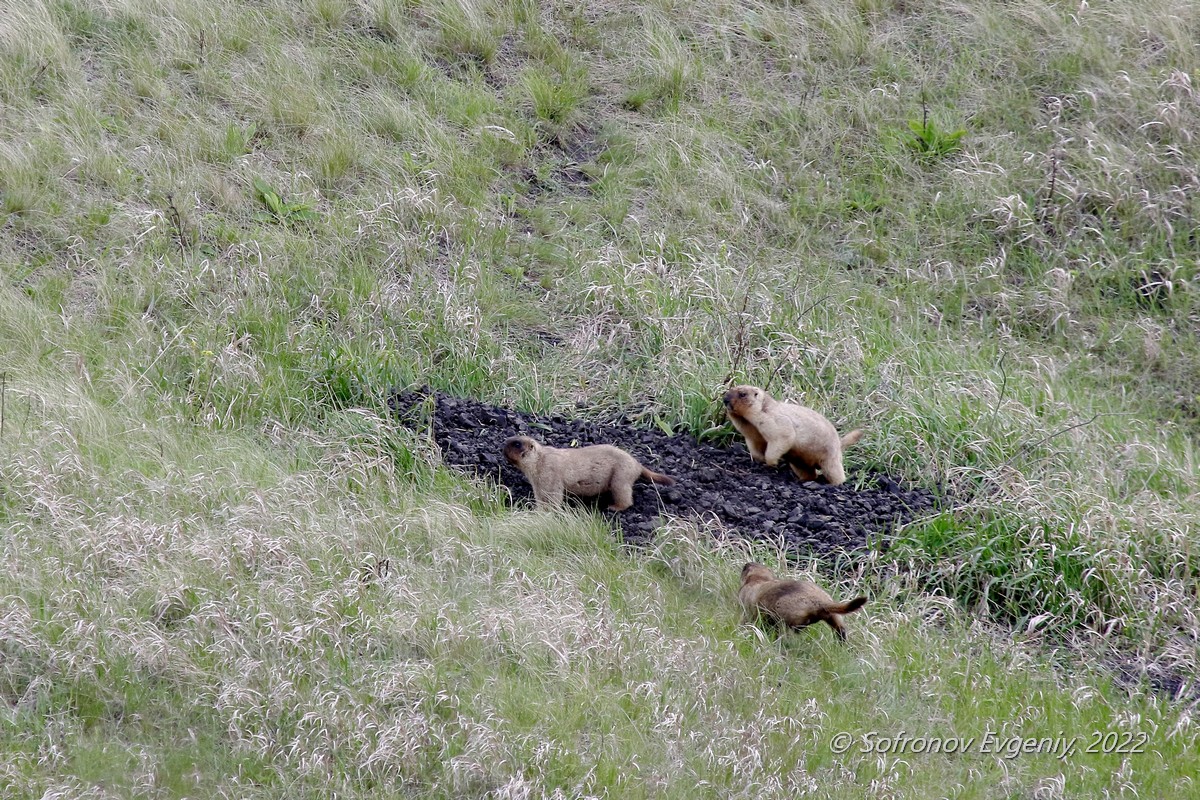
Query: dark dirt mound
point(748, 499)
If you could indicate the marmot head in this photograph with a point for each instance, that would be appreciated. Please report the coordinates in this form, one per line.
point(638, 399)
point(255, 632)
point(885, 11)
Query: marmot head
point(741, 399)
point(755, 571)
point(517, 448)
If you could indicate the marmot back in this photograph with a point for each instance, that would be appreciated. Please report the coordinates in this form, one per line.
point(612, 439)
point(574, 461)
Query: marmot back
point(582, 471)
point(794, 604)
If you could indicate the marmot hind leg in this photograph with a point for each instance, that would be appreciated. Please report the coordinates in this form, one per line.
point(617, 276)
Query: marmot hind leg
point(832, 468)
point(622, 497)
point(803, 471)
point(620, 485)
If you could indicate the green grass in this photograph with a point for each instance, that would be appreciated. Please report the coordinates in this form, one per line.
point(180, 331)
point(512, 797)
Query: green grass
point(228, 230)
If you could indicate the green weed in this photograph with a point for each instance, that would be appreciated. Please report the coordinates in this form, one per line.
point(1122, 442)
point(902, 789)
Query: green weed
point(928, 140)
point(575, 210)
point(279, 210)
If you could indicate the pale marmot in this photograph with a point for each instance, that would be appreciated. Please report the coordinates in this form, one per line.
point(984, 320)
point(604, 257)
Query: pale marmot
point(792, 603)
point(774, 429)
point(581, 471)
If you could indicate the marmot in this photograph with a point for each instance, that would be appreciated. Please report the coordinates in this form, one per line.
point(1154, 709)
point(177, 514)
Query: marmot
point(792, 603)
point(774, 430)
point(583, 471)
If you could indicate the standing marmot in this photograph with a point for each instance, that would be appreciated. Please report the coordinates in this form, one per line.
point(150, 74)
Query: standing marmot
point(792, 603)
point(774, 429)
point(583, 471)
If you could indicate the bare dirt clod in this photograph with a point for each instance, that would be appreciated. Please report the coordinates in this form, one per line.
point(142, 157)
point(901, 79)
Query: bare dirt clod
point(713, 483)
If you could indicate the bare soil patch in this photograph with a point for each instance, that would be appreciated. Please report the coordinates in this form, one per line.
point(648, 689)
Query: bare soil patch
point(719, 484)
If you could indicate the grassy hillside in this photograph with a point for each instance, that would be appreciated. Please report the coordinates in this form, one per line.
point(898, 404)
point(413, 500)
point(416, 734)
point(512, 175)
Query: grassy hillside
point(228, 230)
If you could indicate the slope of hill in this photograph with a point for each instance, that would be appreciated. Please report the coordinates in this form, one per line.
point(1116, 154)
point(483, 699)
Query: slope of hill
point(229, 230)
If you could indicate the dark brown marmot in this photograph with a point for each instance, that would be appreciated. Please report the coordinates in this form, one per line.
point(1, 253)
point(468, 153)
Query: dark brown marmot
point(791, 603)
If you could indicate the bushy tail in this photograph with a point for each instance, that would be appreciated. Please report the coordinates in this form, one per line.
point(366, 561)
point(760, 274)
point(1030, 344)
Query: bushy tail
point(657, 477)
point(851, 437)
point(852, 605)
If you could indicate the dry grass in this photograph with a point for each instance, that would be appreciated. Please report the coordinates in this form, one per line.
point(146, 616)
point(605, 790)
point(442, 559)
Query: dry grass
point(212, 629)
point(203, 496)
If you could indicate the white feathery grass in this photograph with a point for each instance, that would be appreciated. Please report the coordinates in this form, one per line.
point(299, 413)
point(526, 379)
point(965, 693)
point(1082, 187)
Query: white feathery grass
point(227, 570)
